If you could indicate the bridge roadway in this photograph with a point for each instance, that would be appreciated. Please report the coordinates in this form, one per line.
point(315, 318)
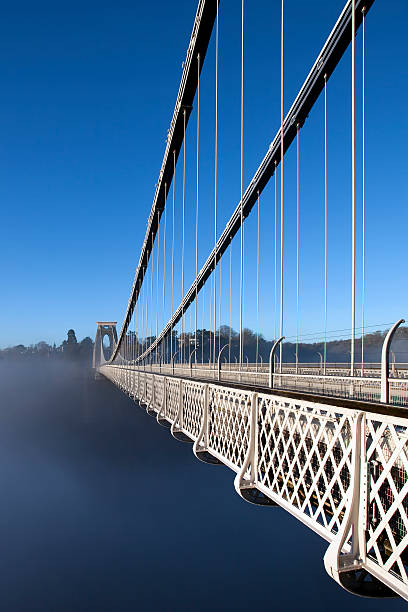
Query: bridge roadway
point(310, 378)
point(338, 465)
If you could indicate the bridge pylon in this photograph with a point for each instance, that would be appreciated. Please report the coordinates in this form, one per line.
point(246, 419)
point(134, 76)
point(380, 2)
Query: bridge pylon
point(105, 328)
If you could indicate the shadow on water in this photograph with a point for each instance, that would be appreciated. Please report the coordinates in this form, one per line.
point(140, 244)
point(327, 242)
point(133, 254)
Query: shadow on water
point(103, 510)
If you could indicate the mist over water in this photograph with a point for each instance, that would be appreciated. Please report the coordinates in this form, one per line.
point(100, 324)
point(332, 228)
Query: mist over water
point(101, 509)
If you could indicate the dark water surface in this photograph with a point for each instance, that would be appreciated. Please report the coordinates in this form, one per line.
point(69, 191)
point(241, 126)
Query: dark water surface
point(101, 509)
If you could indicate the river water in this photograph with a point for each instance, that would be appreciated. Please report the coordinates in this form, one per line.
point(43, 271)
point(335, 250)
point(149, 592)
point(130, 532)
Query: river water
point(102, 510)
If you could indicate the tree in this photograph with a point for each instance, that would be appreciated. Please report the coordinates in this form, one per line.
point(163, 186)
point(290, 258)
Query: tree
point(85, 349)
point(70, 346)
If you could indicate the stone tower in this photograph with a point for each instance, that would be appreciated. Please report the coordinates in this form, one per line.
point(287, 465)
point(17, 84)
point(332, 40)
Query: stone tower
point(105, 328)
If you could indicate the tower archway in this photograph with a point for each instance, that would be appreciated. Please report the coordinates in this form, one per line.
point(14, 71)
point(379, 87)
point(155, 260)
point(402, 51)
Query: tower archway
point(105, 341)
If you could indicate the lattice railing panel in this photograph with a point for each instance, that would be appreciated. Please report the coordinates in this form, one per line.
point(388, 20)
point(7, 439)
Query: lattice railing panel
point(159, 388)
point(173, 398)
point(149, 389)
point(387, 535)
point(304, 457)
point(193, 406)
point(132, 384)
point(142, 387)
point(144, 394)
point(126, 380)
point(229, 415)
point(139, 385)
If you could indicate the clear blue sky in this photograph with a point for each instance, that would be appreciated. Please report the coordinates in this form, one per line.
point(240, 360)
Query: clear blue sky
point(88, 91)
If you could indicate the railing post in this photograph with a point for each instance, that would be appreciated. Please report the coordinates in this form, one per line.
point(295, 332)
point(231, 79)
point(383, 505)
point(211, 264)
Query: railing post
point(272, 360)
point(207, 413)
point(177, 426)
point(172, 362)
point(245, 482)
point(385, 362)
point(253, 440)
point(200, 448)
point(340, 566)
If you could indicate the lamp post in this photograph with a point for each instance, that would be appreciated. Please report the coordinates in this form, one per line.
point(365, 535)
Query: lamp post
point(172, 360)
point(393, 362)
point(321, 361)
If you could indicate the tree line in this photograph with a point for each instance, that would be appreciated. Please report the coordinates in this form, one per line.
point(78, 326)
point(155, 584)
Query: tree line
point(69, 350)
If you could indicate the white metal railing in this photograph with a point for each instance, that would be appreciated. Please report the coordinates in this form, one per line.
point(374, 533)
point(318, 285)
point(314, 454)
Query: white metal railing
point(342, 472)
point(387, 523)
point(334, 383)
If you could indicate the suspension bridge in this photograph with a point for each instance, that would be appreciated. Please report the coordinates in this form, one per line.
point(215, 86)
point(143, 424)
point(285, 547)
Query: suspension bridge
point(325, 439)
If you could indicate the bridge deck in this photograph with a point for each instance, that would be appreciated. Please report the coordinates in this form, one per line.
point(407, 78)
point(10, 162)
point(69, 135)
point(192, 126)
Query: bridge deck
point(331, 387)
point(340, 466)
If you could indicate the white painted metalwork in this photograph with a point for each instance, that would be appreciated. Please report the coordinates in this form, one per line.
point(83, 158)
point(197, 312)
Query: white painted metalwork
point(385, 358)
point(341, 471)
point(337, 381)
point(272, 360)
point(387, 504)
